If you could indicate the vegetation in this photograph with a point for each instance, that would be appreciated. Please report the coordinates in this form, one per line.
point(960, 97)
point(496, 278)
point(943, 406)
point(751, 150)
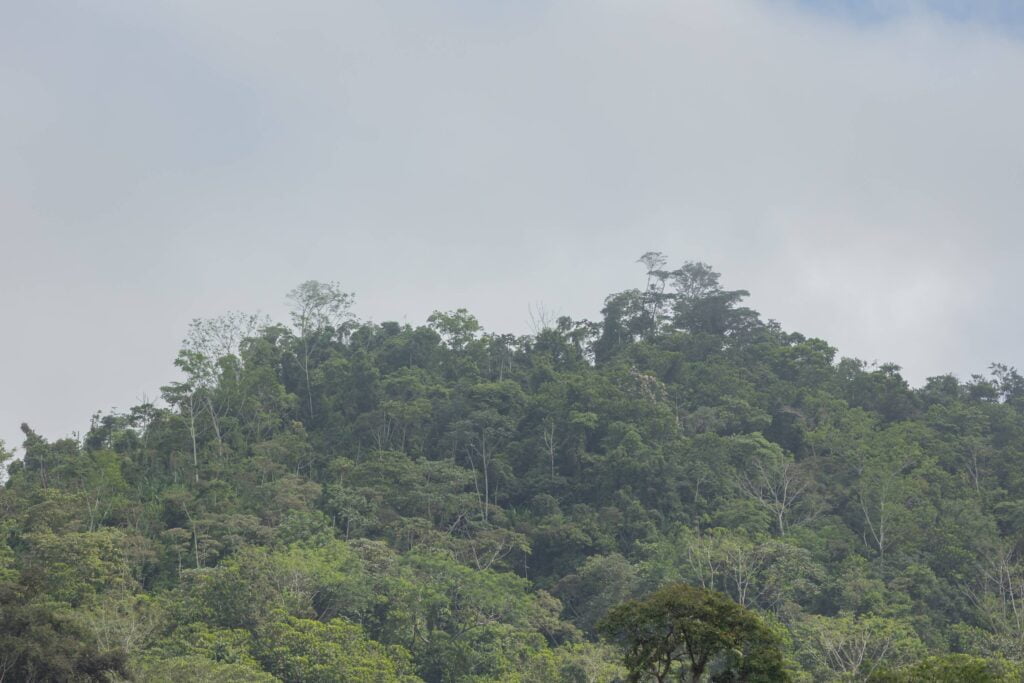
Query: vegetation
point(686, 632)
point(678, 489)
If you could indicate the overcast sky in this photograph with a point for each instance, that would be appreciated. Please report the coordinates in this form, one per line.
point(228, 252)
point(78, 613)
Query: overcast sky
point(858, 166)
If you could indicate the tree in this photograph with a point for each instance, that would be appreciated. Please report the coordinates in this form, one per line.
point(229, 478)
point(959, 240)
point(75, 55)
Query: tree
point(890, 489)
point(683, 631)
point(5, 455)
point(997, 593)
point(775, 481)
point(703, 306)
point(188, 396)
point(336, 651)
point(317, 307)
point(855, 647)
point(954, 668)
point(40, 642)
point(654, 293)
point(198, 669)
point(755, 571)
point(211, 345)
point(598, 584)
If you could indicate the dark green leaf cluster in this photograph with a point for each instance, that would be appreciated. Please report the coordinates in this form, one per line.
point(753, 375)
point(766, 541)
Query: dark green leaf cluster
point(685, 632)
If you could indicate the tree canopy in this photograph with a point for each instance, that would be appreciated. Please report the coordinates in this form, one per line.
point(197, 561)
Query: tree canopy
point(678, 488)
point(683, 631)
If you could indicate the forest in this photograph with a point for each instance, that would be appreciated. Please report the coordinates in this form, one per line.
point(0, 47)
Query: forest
point(332, 499)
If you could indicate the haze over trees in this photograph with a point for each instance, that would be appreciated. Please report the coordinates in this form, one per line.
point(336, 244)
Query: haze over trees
point(338, 500)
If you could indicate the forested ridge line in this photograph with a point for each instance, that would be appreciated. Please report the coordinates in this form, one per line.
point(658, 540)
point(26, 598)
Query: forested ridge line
point(330, 499)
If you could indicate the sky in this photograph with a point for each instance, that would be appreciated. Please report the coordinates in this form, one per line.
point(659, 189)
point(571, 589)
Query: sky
point(858, 166)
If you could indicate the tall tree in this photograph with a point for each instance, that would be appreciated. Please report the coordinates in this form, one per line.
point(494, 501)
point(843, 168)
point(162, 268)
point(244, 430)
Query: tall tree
point(682, 631)
point(317, 308)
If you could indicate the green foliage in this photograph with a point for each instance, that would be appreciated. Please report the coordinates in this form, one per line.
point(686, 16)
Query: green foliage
point(200, 670)
point(955, 668)
point(337, 651)
point(600, 582)
point(41, 641)
point(453, 504)
point(682, 631)
point(855, 647)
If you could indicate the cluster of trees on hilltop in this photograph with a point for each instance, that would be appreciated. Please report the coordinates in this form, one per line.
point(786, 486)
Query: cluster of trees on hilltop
point(334, 499)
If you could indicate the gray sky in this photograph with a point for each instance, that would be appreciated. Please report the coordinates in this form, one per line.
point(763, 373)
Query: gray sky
point(862, 173)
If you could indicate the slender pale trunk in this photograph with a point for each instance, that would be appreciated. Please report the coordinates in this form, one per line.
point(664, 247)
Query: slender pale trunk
point(305, 370)
point(192, 433)
point(487, 481)
point(216, 427)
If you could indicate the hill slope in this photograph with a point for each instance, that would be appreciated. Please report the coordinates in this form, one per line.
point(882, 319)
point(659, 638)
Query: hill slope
point(339, 500)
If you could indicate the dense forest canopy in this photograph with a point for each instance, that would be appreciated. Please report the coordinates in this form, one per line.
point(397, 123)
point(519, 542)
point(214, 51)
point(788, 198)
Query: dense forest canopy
point(330, 499)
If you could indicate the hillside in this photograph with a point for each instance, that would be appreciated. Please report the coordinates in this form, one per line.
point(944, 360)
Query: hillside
point(330, 499)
